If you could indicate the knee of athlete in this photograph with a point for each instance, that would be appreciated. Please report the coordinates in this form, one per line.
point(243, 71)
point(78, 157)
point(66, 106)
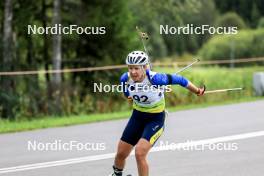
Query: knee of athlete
point(140, 153)
point(121, 155)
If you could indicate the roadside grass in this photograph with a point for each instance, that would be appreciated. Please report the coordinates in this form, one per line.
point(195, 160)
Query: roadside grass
point(53, 121)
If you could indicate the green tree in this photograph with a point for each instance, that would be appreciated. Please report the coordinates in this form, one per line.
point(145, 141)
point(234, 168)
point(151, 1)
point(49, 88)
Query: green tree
point(261, 23)
point(173, 13)
point(7, 91)
point(255, 15)
point(56, 56)
point(246, 9)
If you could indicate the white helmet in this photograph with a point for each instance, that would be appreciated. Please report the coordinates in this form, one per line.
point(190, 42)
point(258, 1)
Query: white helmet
point(137, 58)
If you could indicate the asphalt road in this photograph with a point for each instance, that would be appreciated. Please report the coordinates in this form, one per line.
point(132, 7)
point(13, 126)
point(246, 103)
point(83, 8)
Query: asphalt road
point(232, 137)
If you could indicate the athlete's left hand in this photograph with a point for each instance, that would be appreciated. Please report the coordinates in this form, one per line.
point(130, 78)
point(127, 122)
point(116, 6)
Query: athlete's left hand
point(201, 91)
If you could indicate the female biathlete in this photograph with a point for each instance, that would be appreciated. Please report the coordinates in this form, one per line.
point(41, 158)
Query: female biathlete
point(146, 123)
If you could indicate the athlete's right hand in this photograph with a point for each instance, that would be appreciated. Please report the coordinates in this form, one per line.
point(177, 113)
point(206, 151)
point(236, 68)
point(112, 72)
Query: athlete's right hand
point(129, 98)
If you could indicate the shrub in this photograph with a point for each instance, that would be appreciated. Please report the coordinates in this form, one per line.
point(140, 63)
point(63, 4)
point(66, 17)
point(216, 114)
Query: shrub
point(231, 19)
point(247, 43)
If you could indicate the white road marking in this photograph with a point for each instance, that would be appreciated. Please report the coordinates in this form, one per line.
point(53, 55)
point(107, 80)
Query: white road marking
point(111, 155)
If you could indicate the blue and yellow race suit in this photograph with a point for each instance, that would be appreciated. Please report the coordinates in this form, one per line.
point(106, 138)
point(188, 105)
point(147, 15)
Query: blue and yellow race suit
point(147, 119)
